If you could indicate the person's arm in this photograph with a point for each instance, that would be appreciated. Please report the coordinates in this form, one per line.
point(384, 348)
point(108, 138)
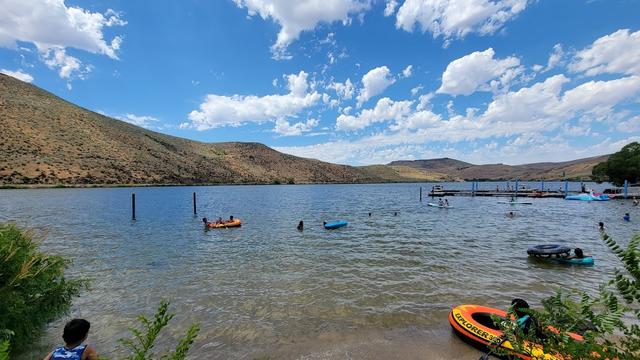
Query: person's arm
point(48, 356)
point(91, 353)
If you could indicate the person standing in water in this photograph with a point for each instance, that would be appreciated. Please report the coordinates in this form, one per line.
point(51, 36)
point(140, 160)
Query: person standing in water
point(626, 217)
point(301, 225)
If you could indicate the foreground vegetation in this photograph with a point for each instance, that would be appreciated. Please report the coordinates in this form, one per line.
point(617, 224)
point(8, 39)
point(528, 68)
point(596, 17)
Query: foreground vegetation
point(609, 322)
point(34, 291)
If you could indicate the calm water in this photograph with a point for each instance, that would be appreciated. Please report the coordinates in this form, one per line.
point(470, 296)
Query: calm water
point(379, 288)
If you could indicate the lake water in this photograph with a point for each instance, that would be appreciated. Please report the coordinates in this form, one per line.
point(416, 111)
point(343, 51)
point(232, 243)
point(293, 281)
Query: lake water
point(380, 288)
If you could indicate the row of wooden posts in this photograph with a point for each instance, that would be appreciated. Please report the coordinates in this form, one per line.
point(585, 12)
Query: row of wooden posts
point(474, 187)
point(133, 205)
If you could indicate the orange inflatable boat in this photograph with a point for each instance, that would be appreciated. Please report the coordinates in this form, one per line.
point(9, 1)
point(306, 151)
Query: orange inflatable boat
point(473, 323)
point(226, 224)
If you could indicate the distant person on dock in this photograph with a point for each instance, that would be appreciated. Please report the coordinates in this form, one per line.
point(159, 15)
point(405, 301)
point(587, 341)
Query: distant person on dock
point(497, 188)
point(626, 217)
point(74, 334)
point(583, 188)
point(301, 225)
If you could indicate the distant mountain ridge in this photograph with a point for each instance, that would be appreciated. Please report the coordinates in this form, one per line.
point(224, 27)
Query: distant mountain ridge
point(575, 170)
point(45, 140)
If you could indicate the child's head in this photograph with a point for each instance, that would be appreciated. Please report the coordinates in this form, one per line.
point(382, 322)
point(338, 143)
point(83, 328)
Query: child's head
point(76, 331)
point(520, 307)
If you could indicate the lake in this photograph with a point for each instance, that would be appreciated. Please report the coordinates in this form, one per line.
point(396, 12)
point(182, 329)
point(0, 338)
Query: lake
point(380, 288)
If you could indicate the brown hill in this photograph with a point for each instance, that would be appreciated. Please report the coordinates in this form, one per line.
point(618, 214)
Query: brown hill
point(576, 169)
point(402, 173)
point(46, 140)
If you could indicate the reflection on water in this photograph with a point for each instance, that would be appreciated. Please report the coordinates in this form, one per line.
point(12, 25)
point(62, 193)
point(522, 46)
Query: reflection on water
point(264, 287)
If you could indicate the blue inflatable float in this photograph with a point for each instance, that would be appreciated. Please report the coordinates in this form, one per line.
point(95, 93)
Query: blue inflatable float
point(588, 197)
point(335, 224)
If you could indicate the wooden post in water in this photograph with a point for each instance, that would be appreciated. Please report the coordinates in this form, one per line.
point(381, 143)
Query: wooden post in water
point(195, 211)
point(133, 206)
point(420, 193)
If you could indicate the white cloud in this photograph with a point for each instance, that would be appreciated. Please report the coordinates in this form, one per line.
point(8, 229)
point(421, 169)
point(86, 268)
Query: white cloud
point(416, 90)
point(343, 90)
point(374, 83)
point(457, 18)
point(556, 57)
point(284, 128)
point(615, 53)
point(18, 74)
point(472, 72)
point(52, 27)
point(408, 71)
point(235, 110)
point(294, 17)
point(144, 121)
point(68, 66)
point(629, 125)
point(390, 8)
point(385, 109)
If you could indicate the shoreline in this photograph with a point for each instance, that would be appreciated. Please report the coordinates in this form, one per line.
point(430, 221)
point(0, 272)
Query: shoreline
point(144, 185)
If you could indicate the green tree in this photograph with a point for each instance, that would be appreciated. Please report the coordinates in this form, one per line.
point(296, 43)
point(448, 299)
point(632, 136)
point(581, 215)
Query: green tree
point(33, 288)
point(621, 166)
point(608, 322)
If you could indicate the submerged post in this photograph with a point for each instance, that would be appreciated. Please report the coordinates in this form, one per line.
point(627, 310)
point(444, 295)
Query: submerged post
point(626, 188)
point(133, 206)
point(194, 194)
point(194, 203)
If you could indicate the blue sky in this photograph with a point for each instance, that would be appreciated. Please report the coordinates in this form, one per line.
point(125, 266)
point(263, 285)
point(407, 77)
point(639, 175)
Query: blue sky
point(347, 81)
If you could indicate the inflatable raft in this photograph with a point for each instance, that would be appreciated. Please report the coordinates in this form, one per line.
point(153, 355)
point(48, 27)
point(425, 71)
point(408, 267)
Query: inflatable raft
point(473, 323)
point(439, 206)
point(226, 224)
point(588, 197)
point(335, 224)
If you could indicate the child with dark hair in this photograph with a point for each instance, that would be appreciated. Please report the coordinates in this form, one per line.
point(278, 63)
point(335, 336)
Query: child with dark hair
point(75, 333)
point(525, 319)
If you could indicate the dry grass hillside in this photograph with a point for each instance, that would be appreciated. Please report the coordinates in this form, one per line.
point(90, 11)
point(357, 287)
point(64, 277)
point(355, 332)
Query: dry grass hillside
point(46, 140)
point(402, 173)
point(575, 169)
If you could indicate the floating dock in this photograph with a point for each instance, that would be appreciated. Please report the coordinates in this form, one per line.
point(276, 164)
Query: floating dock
point(528, 193)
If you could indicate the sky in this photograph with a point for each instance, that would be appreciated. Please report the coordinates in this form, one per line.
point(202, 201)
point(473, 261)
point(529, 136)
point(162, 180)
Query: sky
point(347, 81)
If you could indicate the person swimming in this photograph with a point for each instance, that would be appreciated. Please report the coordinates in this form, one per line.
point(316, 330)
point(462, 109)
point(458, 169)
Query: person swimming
point(300, 225)
point(626, 217)
point(511, 214)
point(601, 226)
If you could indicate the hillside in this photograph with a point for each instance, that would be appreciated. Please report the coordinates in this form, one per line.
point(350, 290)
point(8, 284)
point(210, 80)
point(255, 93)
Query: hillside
point(46, 140)
point(576, 169)
point(402, 173)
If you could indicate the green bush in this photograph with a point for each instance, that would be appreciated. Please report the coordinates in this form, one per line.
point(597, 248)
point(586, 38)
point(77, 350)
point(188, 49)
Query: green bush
point(33, 289)
point(609, 321)
point(143, 340)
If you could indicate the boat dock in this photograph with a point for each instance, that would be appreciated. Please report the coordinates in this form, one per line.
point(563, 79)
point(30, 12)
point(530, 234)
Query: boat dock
point(528, 193)
point(501, 193)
